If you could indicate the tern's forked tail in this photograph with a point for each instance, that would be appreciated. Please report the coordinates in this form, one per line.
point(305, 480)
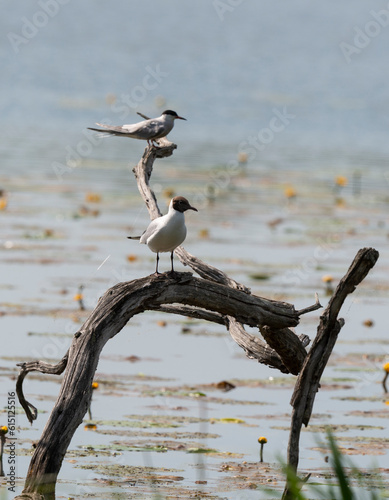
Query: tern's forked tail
point(103, 133)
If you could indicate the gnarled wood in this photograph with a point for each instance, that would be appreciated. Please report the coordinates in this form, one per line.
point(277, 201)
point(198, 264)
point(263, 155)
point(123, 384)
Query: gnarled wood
point(308, 381)
point(287, 345)
point(113, 311)
point(216, 298)
point(254, 347)
point(38, 366)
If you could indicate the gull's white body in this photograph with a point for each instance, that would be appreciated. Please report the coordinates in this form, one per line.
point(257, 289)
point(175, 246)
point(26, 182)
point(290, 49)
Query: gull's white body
point(166, 233)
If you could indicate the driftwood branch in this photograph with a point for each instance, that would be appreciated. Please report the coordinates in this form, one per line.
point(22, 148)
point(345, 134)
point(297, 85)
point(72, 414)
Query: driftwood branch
point(254, 347)
point(288, 346)
point(216, 297)
point(191, 312)
point(113, 311)
point(37, 366)
point(314, 307)
point(308, 381)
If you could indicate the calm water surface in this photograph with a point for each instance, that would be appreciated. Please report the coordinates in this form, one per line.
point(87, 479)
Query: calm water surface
point(302, 89)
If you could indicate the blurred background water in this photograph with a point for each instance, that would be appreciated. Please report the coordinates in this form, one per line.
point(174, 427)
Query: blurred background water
point(301, 87)
point(223, 68)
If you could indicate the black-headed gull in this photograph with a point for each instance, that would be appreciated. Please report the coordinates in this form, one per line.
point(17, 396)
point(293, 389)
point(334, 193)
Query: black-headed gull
point(166, 233)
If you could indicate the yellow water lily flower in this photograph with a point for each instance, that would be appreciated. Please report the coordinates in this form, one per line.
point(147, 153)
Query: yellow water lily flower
point(262, 441)
point(93, 197)
point(290, 192)
point(341, 180)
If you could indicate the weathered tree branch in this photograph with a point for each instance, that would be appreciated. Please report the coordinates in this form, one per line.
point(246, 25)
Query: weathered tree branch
point(328, 330)
point(216, 298)
point(38, 366)
point(113, 311)
point(191, 312)
point(314, 307)
point(254, 347)
point(287, 345)
point(308, 381)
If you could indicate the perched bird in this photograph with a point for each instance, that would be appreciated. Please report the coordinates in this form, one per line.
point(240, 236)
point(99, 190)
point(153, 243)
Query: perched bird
point(166, 233)
point(148, 130)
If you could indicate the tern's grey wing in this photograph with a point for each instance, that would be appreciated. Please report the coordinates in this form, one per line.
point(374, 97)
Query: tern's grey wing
point(145, 130)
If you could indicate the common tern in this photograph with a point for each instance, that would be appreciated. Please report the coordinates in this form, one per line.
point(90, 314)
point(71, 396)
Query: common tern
point(166, 233)
point(147, 130)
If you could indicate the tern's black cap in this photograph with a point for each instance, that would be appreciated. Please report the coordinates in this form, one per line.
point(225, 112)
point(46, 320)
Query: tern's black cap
point(173, 113)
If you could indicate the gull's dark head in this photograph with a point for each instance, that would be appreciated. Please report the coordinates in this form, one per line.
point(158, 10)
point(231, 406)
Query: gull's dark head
point(181, 204)
point(173, 114)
